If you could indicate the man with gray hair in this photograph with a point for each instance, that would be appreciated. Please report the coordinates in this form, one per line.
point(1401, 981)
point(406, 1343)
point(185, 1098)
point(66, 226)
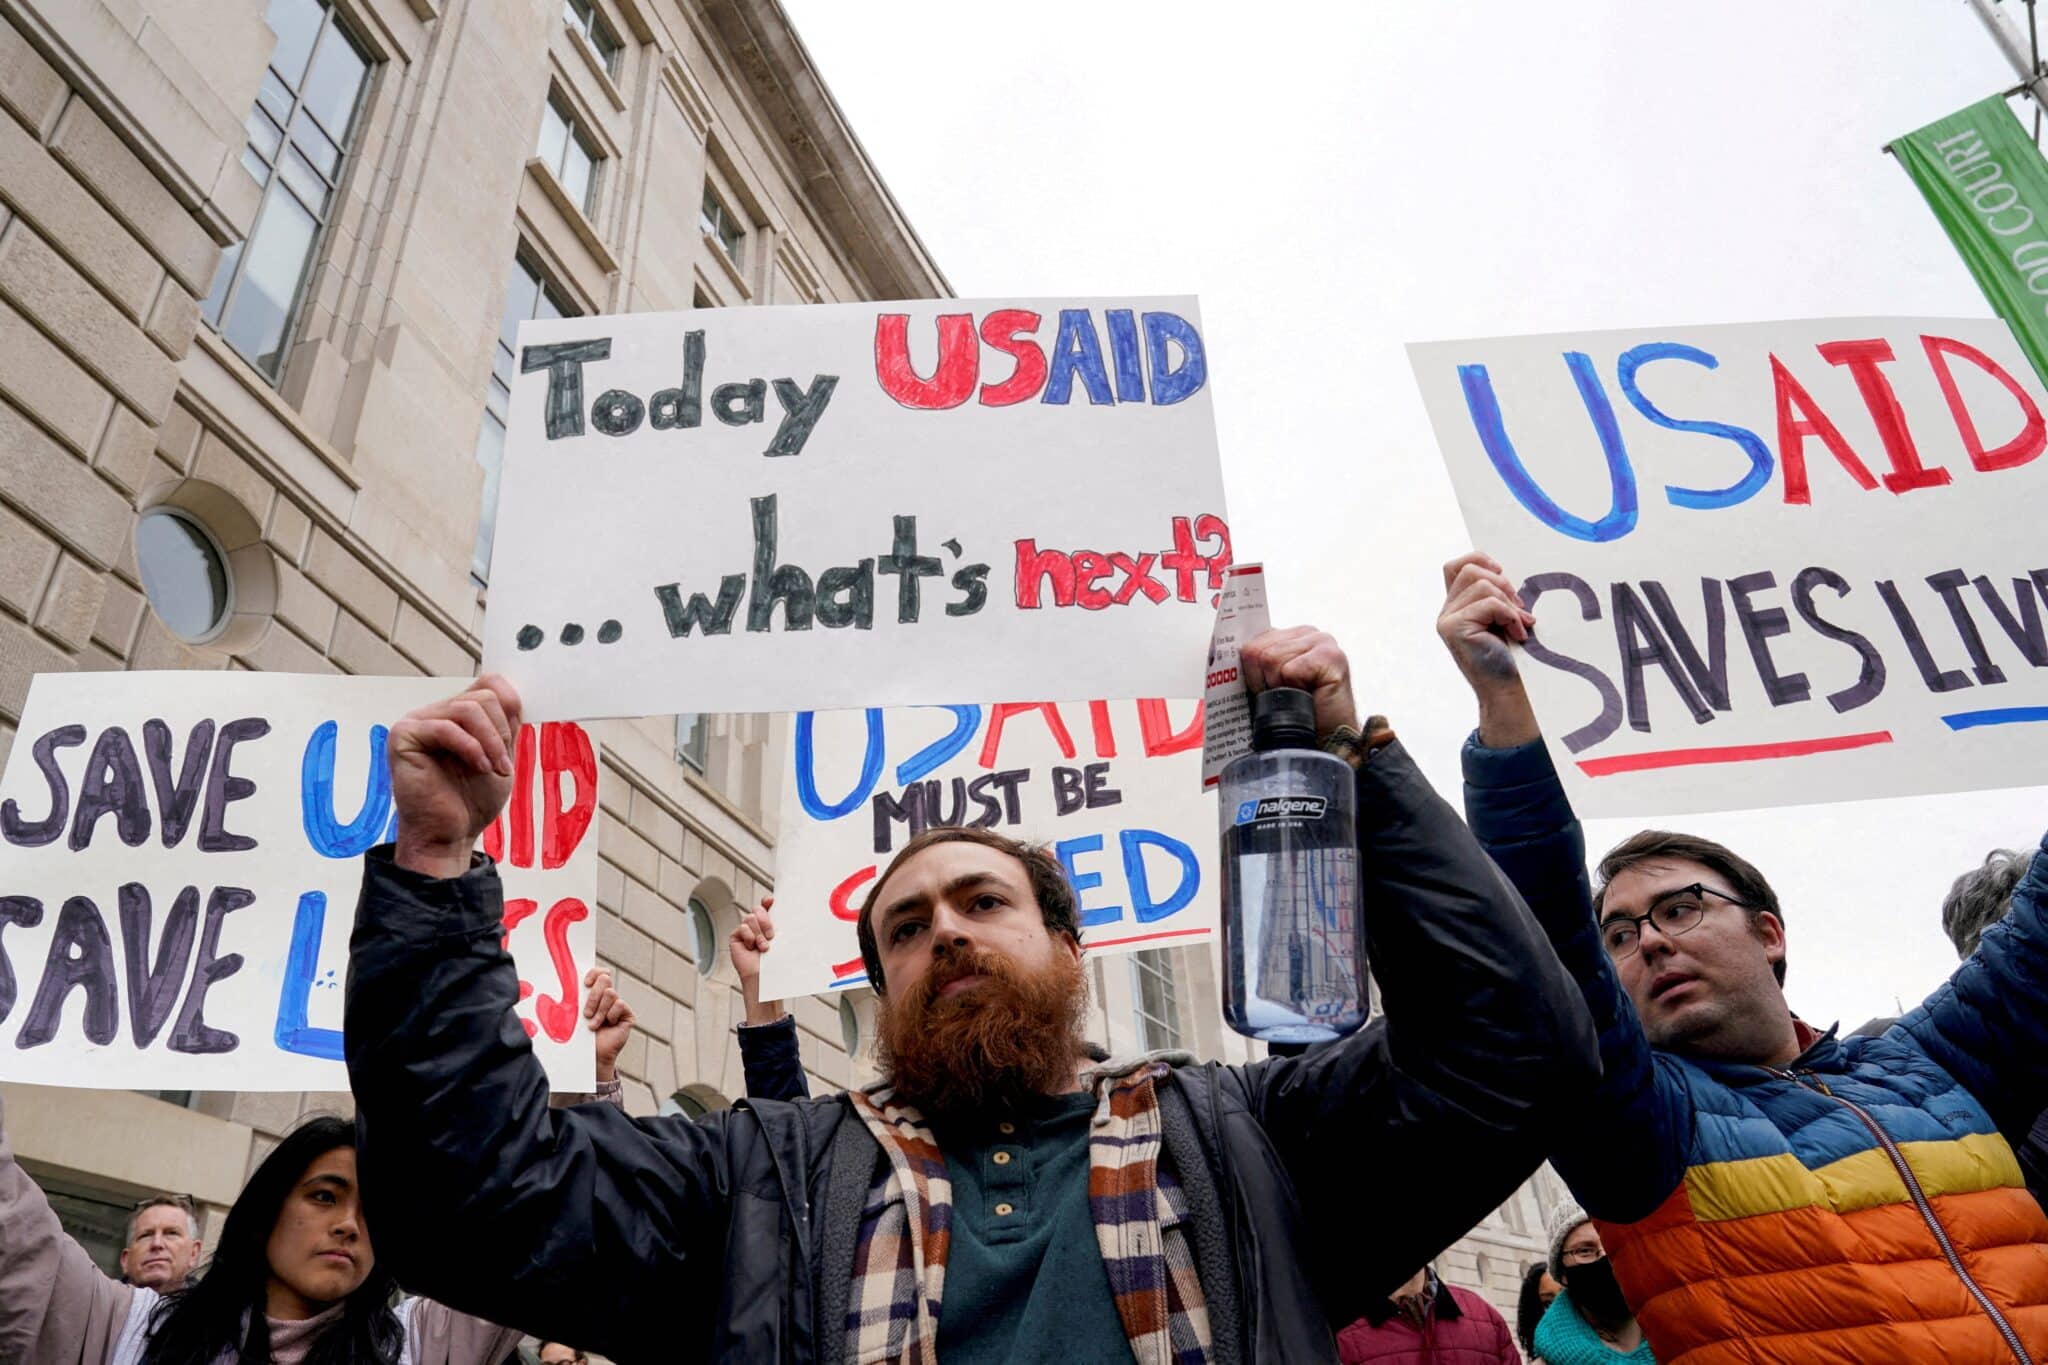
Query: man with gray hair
point(1979, 899)
point(1981, 896)
point(163, 1244)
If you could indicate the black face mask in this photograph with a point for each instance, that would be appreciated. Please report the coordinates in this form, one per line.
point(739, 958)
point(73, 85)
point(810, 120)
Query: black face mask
point(1594, 1289)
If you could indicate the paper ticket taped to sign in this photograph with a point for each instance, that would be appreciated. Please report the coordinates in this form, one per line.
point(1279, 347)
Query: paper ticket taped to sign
point(1227, 706)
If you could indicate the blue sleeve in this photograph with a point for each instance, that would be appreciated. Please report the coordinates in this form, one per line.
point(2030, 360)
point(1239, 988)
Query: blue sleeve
point(773, 1065)
point(1623, 1151)
point(1988, 1025)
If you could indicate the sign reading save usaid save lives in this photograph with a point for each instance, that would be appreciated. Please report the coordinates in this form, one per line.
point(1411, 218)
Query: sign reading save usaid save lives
point(1770, 563)
point(180, 859)
point(783, 509)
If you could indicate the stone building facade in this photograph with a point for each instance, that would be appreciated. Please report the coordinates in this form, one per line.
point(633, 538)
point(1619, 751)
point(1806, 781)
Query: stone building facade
point(259, 265)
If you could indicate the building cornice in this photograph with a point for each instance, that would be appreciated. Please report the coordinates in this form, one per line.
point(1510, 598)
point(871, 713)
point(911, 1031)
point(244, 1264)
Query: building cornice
point(846, 191)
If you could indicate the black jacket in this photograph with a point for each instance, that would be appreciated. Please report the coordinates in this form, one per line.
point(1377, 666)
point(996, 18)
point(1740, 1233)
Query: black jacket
point(1316, 1183)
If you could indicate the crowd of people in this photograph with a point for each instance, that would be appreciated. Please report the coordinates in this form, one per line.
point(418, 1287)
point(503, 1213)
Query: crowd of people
point(1746, 1187)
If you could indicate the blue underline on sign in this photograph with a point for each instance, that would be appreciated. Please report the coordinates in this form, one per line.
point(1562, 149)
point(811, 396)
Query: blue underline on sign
point(855, 979)
point(2004, 715)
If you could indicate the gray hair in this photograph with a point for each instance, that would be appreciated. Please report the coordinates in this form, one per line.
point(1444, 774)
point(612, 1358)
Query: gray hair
point(1980, 897)
point(166, 1201)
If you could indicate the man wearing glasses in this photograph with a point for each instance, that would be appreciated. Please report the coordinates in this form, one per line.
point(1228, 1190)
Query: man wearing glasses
point(1767, 1191)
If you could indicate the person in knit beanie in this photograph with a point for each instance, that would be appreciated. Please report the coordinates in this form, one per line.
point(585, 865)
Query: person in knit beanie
point(1589, 1323)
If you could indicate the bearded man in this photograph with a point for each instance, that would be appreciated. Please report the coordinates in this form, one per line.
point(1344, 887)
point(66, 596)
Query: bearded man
point(1000, 1196)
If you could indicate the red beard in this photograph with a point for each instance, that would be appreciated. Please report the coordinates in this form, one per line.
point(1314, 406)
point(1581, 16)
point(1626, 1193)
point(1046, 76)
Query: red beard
point(995, 1045)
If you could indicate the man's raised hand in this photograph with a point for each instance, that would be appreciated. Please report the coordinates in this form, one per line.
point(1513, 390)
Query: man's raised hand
point(1307, 658)
point(606, 1013)
point(1481, 614)
point(748, 943)
point(451, 771)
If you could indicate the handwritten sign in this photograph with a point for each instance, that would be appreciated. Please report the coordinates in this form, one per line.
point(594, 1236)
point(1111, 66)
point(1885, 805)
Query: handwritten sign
point(779, 509)
point(1113, 788)
point(1771, 563)
point(180, 860)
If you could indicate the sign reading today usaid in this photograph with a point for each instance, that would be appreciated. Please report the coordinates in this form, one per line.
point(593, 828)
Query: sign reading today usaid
point(785, 509)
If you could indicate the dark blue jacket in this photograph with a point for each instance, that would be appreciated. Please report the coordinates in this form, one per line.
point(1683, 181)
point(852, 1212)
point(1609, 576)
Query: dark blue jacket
point(733, 1237)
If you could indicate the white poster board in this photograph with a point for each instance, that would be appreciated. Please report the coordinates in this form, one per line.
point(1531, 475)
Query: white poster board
point(1113, 788)
point(180, 861)
point(1771, 563)
point(782, 509)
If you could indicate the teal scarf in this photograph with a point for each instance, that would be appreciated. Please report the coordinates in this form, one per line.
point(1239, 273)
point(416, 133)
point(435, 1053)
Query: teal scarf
point(1563, 1338)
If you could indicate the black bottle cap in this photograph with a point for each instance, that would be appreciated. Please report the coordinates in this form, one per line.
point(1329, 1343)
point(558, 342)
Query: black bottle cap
point(1283, 718)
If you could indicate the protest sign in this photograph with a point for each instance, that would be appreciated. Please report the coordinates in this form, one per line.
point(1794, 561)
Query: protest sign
point(780, 509)
point(1770, 563)
point(1113, 788)
point(180, 860)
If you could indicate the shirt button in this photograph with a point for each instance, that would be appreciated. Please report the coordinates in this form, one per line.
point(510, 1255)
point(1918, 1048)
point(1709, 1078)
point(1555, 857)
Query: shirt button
point(1002, 1158)
point(1004, 1210)
point(1006, 1128)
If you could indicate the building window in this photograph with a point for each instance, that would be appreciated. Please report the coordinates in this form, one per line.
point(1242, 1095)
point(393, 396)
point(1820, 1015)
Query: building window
point(298, 139)
point(720, 224)
point(569, 152)
point(685, 1104)
point(1157, 1010)
point(849, 1025)
point(184, 574)
point(704, 936)
point(526, 296)
point(693, 740)
point(582, 16)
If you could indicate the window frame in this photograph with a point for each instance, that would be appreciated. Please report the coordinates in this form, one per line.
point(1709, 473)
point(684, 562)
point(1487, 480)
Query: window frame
point(693, 752)
point(235, 260)
point(1154, 1033)
point(227, 573)
point(576, 131)
point(497, 407)
point(587, 21)
point(714, 217)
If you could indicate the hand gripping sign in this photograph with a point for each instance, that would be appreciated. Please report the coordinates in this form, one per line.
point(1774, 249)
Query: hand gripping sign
point(1112, 788)
point(1770, 563)
point(180, 859)
point(779, 509)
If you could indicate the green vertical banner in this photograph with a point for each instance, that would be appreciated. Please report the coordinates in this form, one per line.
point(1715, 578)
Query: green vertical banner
point(1988, 185)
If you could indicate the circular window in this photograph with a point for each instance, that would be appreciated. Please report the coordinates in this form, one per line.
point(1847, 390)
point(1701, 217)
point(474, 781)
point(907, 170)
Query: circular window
point(849, 1025)
point(184, 574)
point(706, 934)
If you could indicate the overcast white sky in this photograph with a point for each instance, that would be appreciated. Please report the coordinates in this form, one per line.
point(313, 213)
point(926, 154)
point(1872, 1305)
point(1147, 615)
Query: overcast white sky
point(1337, 180)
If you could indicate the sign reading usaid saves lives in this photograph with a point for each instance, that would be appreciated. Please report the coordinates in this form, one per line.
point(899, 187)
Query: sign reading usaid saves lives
point(781, 509)
point(1770, 563)
point(1113, 789)
point(180, 860)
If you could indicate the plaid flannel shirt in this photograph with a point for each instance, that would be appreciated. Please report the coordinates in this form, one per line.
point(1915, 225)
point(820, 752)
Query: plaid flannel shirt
point(906, 1226)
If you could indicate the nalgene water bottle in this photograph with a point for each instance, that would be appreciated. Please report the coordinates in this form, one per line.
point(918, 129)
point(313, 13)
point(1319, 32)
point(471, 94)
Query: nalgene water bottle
point(1293, 945)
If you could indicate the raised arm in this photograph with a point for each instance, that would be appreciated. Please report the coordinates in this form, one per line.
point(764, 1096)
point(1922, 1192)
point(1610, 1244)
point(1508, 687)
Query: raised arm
point(1484, 1033)
point(769, 1054)
point(56, 1308)
point(1622, 1152)
point(1989, 1023)
point(568, 1222)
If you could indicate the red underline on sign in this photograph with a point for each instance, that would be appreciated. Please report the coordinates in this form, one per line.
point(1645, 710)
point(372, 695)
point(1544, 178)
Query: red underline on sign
point(1143, 938)
point(1734, 753)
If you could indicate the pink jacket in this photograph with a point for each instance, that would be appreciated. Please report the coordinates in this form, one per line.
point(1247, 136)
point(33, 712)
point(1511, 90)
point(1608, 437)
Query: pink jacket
point(1463, 1329)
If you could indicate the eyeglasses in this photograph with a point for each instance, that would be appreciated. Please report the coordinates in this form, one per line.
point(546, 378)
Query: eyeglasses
point(1674, 913)
point(1581, 1255)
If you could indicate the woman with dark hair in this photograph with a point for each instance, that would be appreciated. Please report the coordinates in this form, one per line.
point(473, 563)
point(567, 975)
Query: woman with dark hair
point(1538, 1289)
point(294, 1279)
